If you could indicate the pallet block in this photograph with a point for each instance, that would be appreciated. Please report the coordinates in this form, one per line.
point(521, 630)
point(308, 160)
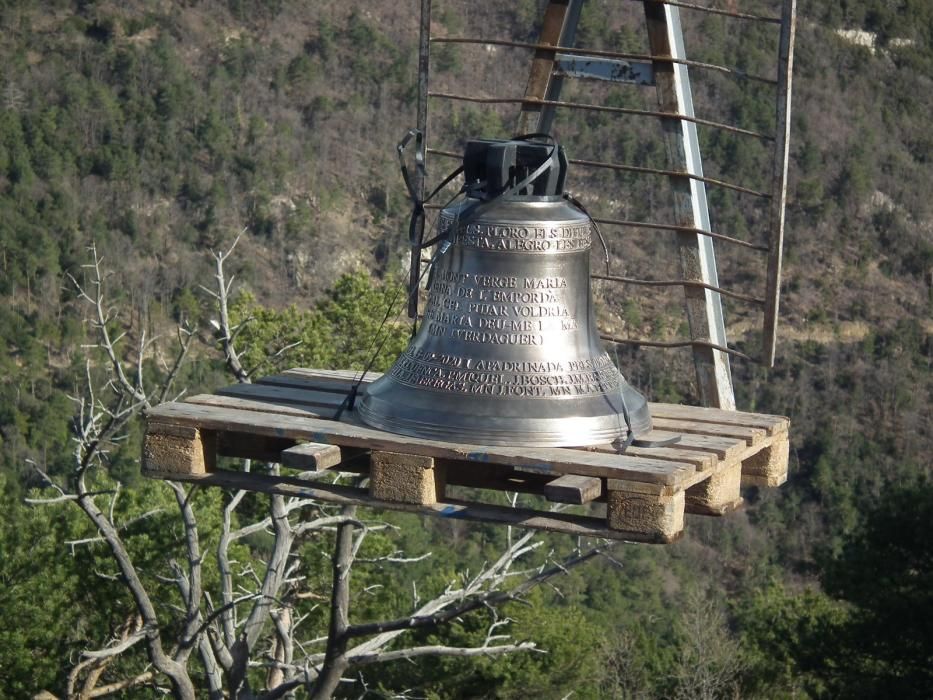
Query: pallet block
point(178, 449)
point(289, 419)
point(767, 468)
point(636, 507)
point(404, 478)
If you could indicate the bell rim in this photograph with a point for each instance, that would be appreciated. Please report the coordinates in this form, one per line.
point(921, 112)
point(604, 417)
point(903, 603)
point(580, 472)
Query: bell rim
point(602, 430)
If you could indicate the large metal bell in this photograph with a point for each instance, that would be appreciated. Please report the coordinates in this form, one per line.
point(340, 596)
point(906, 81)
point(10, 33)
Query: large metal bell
point(508, 352)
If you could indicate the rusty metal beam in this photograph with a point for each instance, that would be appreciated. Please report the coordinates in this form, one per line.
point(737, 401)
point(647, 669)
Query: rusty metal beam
point(568, 37)
point(542, 66)
point(621, 167)
point(525, 101)
point(681, 229)
point(677, 283)
point(779, 182)
point(676, 344)
point(697, 255)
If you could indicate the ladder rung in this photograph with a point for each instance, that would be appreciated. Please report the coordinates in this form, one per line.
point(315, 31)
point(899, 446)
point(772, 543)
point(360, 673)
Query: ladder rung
point(601, 108)
point(624, 55)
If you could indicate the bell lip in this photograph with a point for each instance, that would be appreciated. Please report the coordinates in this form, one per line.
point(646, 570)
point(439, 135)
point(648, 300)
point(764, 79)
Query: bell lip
point(595, 430)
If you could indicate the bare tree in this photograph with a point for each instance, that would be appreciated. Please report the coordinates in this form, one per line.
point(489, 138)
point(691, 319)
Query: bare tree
point(710, 662)
point(251, 627)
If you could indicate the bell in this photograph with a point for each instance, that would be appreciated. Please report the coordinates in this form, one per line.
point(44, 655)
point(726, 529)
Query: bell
point(508, 352)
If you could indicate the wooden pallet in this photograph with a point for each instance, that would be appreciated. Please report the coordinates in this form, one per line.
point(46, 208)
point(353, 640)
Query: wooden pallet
point(640, 496)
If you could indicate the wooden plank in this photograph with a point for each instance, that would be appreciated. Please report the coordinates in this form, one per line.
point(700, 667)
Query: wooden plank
point(259, 406)
point(751, 436)
point(572, 488)
point(333, 379)
point(454, 509)
point(495, 477)
point(340, 380)
point(312, 456)
point(701, 414)
point(722, 448)
point(350, 433)
point(779, 180)
point(263, 448)
point(542, 66)
point(703, 461)
point(296, 379)
point(283, 395)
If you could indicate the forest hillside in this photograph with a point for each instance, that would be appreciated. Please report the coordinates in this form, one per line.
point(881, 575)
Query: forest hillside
point(140, 139)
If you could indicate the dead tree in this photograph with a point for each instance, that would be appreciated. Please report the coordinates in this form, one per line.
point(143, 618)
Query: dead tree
point(252, 622)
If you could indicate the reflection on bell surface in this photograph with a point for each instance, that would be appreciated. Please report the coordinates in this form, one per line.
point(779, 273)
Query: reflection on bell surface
point(508, 352)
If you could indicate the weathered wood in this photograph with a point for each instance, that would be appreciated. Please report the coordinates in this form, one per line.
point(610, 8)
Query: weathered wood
point(717, 495)
point(779, 180)
point(405, 478)
point(284, 395)
point(177, 450)
point(263, 448)
point(542, 66)
point(646, 490)
point(496, 477)
point(767, 467)
point(702, 414)
point(577, 525)
point(340, 381)
point(312, 456)
point(258, 406)
point(572, 488)
point(659, 516)
point(752, 436)
point(335, 378)
point(724, 448)
point(703, 461)
point(545, 460)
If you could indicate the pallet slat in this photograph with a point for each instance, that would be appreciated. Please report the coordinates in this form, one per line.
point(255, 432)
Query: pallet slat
point(341, 380)
point(259, 406)
point(701, 414)
point(452, 509)
point(544, 460)
point(312, 456)
point(572, 488)
point(284, 395)
point(752, 436)
point(288, 418)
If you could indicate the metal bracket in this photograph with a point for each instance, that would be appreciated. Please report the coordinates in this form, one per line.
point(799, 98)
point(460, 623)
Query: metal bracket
point(611, 70)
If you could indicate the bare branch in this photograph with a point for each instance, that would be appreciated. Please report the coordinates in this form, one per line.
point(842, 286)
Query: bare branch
point(223, 326)
point(440, 612)
point(438, 650)
point(192, 591)
point(113, 688)
point(117, 649)
point(335, 659)
point(395, 558)
point(101, 320)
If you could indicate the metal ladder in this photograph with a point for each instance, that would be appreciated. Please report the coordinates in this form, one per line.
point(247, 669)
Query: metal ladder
point(555, 59)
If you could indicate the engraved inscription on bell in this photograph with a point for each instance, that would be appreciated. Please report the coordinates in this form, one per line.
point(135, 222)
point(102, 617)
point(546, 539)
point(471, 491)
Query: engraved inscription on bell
point(508, 351)
point(505, 310)
point(530, 379)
